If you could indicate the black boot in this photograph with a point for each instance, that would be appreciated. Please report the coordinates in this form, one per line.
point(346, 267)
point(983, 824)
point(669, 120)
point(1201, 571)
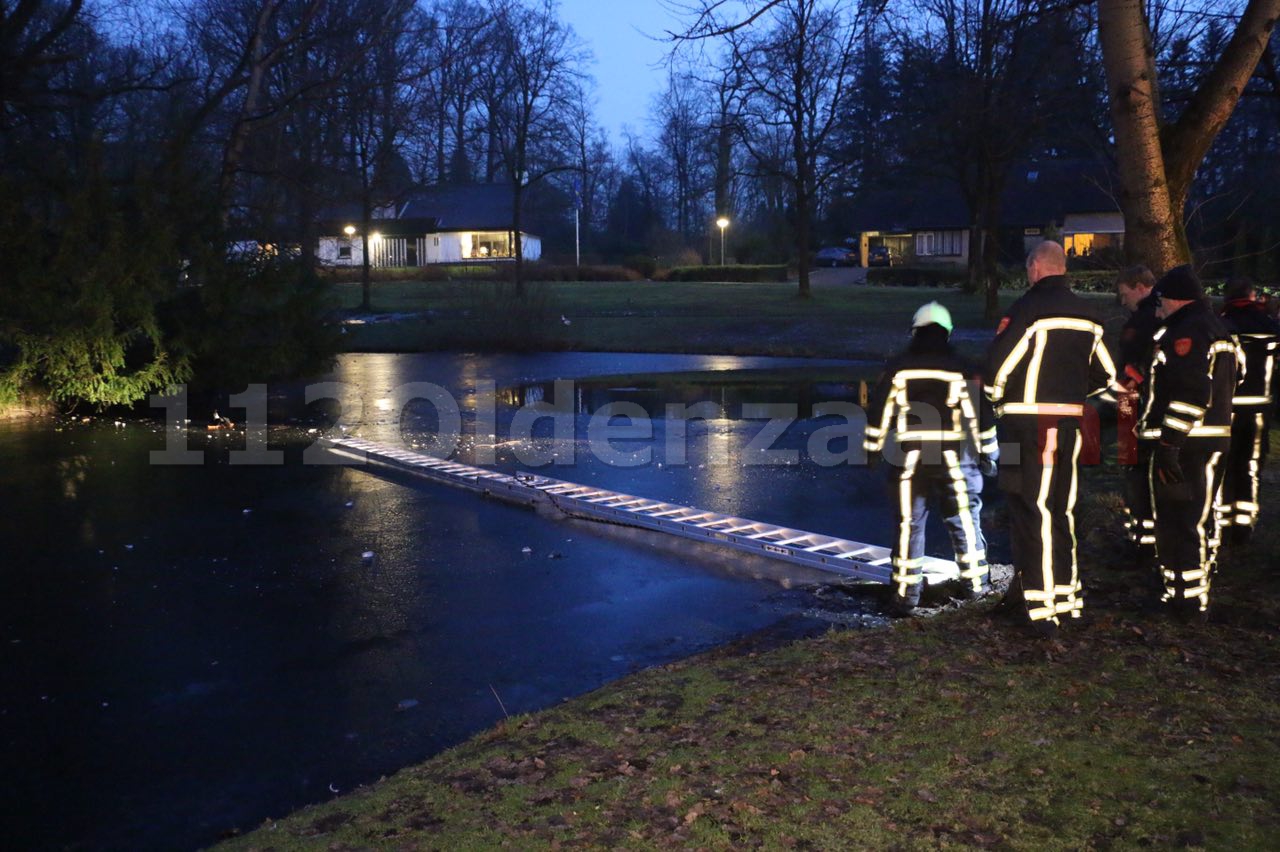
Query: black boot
point(906, 604)
point(971, 592)
point(1013, 606)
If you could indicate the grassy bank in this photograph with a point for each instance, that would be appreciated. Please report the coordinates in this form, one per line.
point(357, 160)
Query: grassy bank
point(720, 318)
point(957, 730)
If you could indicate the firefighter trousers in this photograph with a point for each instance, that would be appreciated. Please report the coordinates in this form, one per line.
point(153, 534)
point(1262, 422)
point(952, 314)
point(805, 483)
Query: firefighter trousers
point(1040, 489)
point(943, 482)
point(1137, 492)
point(1187, 531)
point(1243, 465)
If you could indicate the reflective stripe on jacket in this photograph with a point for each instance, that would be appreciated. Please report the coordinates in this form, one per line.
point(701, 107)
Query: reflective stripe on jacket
point(1192, 378)
point(1048, 354)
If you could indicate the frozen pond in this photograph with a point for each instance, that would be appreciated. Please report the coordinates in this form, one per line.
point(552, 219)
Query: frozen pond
point(191, 649)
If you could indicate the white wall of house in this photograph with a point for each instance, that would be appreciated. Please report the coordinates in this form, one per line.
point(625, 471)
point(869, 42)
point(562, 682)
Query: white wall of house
point(340, 251)
point(448, 247)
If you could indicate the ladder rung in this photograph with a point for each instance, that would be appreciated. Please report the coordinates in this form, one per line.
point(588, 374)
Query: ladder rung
point(751, 526)
point(795, 539)
point(820, 547)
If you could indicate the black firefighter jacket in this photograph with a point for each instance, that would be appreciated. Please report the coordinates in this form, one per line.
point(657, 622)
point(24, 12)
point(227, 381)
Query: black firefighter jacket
point(1048, 355)
point(1257, 335)
point(1192, 379)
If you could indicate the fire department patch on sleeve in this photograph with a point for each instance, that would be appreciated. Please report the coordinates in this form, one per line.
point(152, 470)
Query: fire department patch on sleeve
point(1004, 323)
point(1182, 345)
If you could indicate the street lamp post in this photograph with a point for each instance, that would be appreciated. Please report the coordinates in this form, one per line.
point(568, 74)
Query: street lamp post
point(722, 222)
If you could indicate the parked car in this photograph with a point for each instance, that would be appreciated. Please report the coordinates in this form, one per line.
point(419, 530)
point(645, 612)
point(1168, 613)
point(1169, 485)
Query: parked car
point(881, 256)
point(836, 256)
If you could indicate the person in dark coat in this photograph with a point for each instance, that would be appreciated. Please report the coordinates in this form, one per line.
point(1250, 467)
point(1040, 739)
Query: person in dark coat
point(1047, 357)
point(924, 421)
point(1257, 335)
point(1187, 411)
point(1134, 292)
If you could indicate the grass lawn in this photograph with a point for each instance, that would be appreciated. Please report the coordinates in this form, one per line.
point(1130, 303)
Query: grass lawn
point(953, 731)
point(720, 318)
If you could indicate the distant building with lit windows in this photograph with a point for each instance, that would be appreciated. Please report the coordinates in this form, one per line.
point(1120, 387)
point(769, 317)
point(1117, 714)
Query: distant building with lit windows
point(447, 223)
point(925, 221)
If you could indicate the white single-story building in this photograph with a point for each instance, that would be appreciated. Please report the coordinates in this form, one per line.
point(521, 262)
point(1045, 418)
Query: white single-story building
point(442, 224)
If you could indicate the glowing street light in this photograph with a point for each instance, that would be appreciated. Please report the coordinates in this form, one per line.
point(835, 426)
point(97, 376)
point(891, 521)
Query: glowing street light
point(722, 222)
point(349, 230)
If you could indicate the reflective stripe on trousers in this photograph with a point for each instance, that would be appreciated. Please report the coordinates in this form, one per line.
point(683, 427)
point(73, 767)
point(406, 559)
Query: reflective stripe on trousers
point(918, 484)
point(1041, 494)
point(1187, 532)
point(1244, 467)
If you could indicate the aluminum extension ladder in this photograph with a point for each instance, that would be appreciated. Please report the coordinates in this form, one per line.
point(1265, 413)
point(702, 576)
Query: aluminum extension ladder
point(823, 552)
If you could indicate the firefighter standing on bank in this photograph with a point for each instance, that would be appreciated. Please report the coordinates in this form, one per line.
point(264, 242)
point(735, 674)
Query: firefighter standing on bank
point(1187, 409)
point(922, 403)
point(1047, 357)
point(1257, 335)
point(1135, 292)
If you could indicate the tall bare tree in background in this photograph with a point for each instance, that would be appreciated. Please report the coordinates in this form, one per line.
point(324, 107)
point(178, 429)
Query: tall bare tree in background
point(449, 93)
point(793, 63)
point(539, 61)
point(977, 88)
point(1157, 155)
point(593, 166)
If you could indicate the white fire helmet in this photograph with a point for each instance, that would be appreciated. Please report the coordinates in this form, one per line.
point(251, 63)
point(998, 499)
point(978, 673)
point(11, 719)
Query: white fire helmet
point(932, 314)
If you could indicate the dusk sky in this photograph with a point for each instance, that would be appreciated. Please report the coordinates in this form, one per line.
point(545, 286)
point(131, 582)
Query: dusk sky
point(628, 67)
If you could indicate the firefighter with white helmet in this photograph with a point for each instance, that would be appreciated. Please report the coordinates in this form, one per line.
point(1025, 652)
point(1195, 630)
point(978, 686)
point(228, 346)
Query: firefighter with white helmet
point(924, 421)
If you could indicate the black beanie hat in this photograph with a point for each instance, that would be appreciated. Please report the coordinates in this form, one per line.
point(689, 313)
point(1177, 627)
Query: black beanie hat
point(1180, 283)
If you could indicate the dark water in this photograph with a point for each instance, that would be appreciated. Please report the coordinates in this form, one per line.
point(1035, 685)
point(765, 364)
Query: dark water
point(189, 650)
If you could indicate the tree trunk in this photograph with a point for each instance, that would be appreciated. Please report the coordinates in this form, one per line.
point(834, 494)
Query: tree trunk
point(366, 220)
point(1157, 170)
point(233, 153)
point(517, 243)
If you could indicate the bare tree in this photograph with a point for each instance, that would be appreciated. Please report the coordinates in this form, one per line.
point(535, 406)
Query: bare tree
point(793, 78)
point(449, 92)
point(539, 60)
point(1157, 157)
point(974, 93)
point(593, 163)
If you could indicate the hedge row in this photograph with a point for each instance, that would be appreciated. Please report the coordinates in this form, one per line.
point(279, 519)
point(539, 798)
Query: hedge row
point(548, 272)
point(739, 272)
point(484, 272)
point(910, 276)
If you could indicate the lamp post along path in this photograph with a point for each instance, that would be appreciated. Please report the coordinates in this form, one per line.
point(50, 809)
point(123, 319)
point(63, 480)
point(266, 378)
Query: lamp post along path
point(722, 223)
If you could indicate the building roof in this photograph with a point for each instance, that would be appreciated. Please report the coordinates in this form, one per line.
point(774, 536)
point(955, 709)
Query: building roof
point(1036, 194)
point(434, 209)
point(462, 207)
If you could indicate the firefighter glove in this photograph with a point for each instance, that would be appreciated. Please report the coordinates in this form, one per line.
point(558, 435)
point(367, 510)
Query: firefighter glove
point(987, 464)
point(1167, 467)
